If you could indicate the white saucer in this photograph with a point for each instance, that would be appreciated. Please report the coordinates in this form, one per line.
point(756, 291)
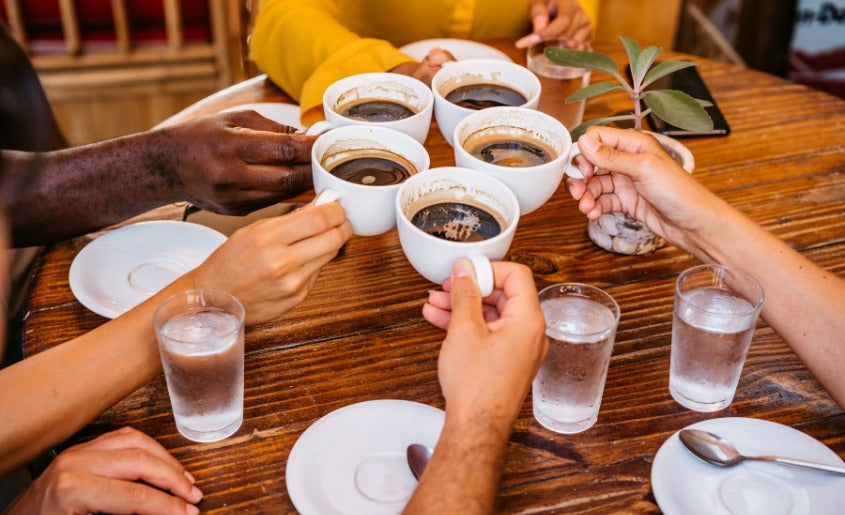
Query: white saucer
point(684, 484)
point(353, 459)
point(124, 267)
point(460, 48)
point(286, 114)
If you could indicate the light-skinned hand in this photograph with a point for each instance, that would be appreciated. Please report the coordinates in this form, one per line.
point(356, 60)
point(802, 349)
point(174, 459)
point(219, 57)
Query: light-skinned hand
point(628, 171)
point(556, 19)
point(425, 69)
point(124, 471)
point(271, 264)
point(233, 163)
point(493, 347)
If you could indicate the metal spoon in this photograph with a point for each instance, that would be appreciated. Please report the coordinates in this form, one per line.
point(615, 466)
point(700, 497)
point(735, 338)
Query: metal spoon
point(718, 451)
point(418, 456)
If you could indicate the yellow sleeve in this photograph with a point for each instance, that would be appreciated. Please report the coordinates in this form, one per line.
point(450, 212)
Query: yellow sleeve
point(302, 47)
point(591, 7)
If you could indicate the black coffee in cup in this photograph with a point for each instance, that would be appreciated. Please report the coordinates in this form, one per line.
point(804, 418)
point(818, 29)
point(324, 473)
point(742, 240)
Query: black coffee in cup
point(481, 96)
point(458, 221)
point(372, 167)
point(376, 110)
point(514, 151)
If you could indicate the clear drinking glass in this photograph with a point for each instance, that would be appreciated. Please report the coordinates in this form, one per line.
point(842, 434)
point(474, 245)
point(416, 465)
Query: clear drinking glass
point(716, 311)
point(201, 341)
point(581, 323)
point(558, 82)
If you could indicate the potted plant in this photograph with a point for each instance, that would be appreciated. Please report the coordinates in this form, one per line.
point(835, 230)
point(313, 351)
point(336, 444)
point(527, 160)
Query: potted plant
point(618, 232)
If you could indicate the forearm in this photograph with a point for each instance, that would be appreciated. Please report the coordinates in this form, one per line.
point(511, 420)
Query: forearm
point(464, 472)
point(804, 303)
point(81, 189)
point(48, 397)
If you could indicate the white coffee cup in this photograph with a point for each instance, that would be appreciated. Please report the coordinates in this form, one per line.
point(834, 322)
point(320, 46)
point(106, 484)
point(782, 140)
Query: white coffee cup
point(478, 71)
point(370, 208)
point(432, 256)
point(533, 185)
point(394, 87)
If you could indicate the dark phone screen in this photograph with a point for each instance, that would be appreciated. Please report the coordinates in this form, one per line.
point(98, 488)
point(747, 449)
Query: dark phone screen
point(690, 82)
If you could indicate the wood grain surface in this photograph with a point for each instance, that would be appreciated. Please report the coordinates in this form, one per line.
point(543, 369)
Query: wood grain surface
point(360, 334)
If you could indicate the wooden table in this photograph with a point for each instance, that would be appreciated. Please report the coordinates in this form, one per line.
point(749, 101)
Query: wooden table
point(360, 334)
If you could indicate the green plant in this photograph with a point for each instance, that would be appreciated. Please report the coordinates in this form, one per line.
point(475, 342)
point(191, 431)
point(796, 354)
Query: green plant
point(673, 106)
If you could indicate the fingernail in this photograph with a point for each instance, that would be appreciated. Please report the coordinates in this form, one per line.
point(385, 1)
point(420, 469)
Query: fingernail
point(462, 268)
point(190, 477)
point(196, 494)
point(192, 510)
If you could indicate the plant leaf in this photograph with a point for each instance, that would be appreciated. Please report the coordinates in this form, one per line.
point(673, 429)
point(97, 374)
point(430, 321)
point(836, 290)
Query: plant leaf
point(643, 63)
point(665, 68)
point(592, 90)
point(581, 129)
point(581, 59)
point(632, 48)
point(704, 103)
point(679, 109)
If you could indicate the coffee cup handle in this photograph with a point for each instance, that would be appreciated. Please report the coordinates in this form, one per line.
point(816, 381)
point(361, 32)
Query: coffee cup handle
point(571, 169)
point(319, 128)
point(326, 196)
point(483, 274)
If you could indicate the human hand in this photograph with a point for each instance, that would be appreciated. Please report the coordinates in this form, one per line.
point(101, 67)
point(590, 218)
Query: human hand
point(630, 172)
point(493, 346)
point(425, 69)
point(556, 19)
point(234, 163)
point(271, 264)
point(124, 471)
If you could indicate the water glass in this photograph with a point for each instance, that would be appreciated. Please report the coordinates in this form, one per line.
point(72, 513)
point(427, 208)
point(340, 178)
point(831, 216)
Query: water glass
point(581, 323)
point(558, 82)
point(716, 311)
point(201, 341)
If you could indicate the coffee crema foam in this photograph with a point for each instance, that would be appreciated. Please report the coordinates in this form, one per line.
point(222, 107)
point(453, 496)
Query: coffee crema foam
point(458, 221)
point(510, 147)
point(376, 110)
point(371, 167)
point(484, 95)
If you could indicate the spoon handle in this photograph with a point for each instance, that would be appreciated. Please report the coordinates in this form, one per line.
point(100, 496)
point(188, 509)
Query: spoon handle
point(801, 463)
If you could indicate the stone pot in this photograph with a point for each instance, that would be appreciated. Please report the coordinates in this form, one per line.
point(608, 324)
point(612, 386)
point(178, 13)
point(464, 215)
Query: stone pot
point(620, 233)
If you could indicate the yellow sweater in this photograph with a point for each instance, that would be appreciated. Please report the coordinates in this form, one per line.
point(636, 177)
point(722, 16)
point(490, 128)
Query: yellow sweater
point(306, 45)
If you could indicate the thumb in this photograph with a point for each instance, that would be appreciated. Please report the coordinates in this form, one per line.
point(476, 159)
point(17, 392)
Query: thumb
point(615, 150)
point(465, 296)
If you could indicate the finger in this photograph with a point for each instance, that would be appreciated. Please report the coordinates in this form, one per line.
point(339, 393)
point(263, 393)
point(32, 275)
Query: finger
point(98, 494)
point(262, 147)
point(466, 297)
point(576, 188)
point(283, 179)
point(539, 14)
point(320, 248)
point(307, 222)
point(437, 56)
point(249, 118)
point(440, 299)
point(137, 464)
point(517, 284)
point(129, 438)
point(436, 316)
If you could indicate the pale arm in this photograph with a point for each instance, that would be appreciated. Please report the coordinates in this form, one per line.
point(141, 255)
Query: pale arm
point(804, 303)
point(490, 355)
point(270, 266)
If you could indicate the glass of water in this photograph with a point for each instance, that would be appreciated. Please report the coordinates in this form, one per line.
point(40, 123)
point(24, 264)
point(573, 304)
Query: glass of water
point(716, 311)
point(201, 341)
point(581, 323)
